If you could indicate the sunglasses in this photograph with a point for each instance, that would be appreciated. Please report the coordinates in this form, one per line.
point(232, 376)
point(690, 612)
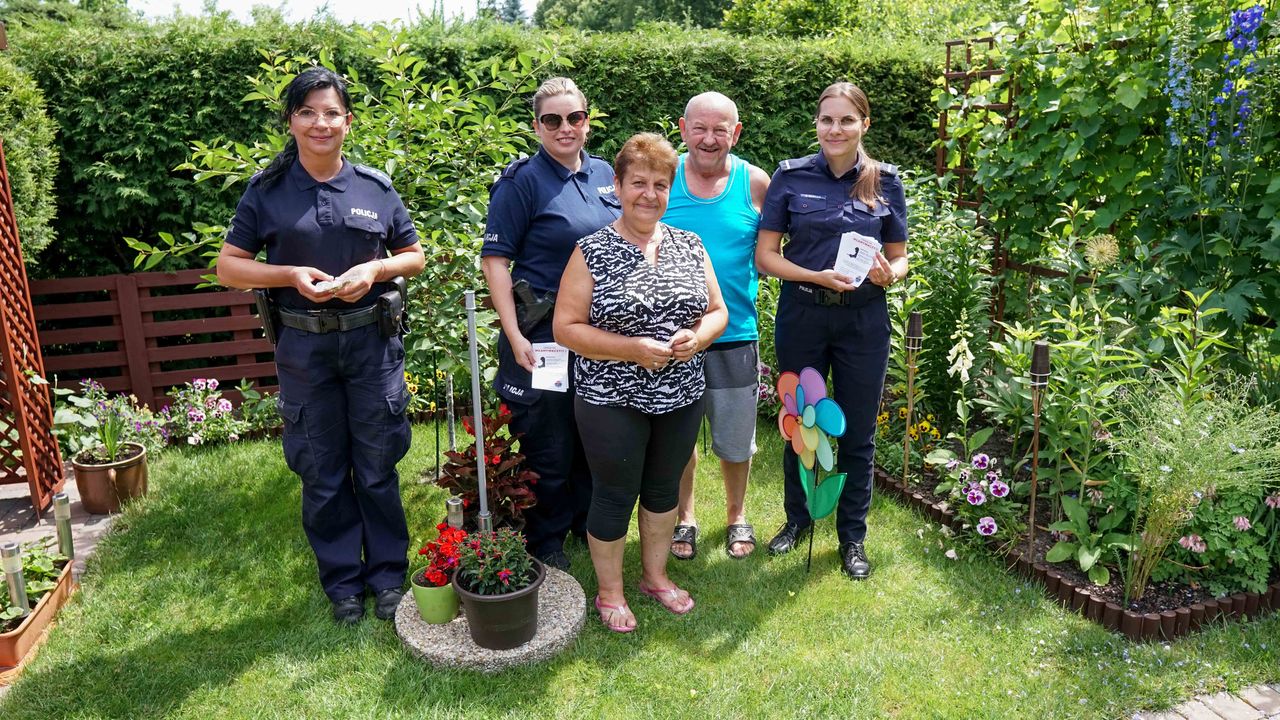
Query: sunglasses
point(552, 121)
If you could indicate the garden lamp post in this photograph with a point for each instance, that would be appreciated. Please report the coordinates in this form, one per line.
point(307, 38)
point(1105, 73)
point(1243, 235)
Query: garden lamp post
point(484, 520)
point(62, 515)
point(1039, 381)
point(11, 561)
point(914, 340)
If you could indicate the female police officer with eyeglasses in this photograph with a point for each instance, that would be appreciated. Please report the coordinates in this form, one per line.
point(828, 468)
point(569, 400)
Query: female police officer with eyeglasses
point(826, 320)
point(327, 227)
point(538, 209)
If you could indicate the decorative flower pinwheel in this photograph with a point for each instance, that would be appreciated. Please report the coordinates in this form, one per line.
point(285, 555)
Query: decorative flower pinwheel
point(809, 419)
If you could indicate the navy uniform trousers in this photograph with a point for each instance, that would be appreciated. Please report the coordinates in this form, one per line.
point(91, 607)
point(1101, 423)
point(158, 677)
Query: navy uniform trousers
point(551, 446)
point(851, 346)
point(343, 399)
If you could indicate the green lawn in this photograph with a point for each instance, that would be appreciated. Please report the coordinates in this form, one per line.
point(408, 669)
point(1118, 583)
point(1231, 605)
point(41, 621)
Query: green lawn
point(203, 603)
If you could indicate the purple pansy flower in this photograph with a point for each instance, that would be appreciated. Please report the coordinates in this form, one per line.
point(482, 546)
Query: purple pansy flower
point(999, 489)
point(987, 526)
point(975, 496)
point(981, 461)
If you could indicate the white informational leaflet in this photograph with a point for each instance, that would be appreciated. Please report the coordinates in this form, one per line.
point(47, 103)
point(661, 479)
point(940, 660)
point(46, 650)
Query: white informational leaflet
point(550, 367)
point(856, 255)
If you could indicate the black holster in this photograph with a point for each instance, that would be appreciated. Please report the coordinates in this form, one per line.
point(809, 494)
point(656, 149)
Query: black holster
point(393, 309)
point(269, 313)
point(530, 310)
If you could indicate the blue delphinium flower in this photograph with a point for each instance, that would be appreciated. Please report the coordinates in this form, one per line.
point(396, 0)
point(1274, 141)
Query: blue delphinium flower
point(1241, 33)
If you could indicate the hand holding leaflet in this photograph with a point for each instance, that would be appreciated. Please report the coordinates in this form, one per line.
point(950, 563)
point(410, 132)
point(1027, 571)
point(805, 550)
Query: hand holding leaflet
point(856, 255)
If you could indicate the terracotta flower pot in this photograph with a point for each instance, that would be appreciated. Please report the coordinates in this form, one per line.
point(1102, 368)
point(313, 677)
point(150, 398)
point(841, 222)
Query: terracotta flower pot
point(502, 622)
point(436, 605)
point(104, 487)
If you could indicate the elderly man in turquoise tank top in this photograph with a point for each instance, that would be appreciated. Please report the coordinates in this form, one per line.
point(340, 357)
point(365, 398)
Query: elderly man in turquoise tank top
point(718, 196)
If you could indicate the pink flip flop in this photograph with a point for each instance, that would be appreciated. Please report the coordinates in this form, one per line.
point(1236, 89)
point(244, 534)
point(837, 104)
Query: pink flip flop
point(605, 610)
point(667, 596)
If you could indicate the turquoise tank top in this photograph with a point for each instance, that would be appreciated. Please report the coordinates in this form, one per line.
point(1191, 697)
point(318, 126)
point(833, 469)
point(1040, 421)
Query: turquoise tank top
point(727, 225)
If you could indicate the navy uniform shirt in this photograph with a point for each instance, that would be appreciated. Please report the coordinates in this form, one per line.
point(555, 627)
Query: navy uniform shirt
point(539, 208)
point(332, 226)
point(814, 208)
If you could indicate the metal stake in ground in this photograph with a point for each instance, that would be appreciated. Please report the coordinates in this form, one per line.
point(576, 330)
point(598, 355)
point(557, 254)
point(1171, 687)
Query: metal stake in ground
point(484, 520)
point(435, 417)
point(914, 340)
point(1039, 381)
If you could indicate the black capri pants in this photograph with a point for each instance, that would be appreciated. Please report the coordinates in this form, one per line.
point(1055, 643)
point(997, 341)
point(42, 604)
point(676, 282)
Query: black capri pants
point(634, 455)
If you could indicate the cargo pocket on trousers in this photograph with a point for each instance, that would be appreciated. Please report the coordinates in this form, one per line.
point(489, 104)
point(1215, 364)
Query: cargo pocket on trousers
point(397, 433)
point(297, 445)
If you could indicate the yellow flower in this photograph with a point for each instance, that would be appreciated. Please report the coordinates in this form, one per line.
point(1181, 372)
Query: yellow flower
point(929, 417)
point(408, 376)
point(934, 433)
point(431, 407)
point(882, 418)
point(902, 412)
point(413, 388)
point(439, 374)
point(913, 433)
point(925, 426)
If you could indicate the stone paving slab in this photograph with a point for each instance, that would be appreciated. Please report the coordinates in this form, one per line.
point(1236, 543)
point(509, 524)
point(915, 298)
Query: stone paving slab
point(1265, 699)
point(1230, 707)
point(1196, 710)
point(19, 522)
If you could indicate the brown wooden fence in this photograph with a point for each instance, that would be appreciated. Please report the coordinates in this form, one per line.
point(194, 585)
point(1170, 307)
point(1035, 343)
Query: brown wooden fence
point(148, 332)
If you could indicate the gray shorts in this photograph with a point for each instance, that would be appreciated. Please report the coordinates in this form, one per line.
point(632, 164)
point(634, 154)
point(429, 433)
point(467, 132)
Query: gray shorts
point(733, 384)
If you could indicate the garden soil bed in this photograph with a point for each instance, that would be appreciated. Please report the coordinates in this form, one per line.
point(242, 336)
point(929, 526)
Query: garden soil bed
point(1168, 610)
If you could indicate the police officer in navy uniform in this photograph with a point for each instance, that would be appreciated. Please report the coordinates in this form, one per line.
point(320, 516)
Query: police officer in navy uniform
point(327, 227)
point(824, 320)
point(538, 209)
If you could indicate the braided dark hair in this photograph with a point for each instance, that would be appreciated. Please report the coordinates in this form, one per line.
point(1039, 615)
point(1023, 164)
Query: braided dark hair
point(295, 96)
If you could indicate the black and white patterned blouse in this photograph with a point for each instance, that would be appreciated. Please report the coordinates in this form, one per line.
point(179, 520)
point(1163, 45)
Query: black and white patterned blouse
point(636, 299)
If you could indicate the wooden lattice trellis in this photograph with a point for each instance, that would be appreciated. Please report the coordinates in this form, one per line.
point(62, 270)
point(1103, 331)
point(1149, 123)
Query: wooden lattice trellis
point(28, 450)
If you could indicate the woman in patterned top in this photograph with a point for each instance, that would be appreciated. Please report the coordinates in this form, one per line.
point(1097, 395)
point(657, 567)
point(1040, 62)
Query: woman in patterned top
point(638, 303)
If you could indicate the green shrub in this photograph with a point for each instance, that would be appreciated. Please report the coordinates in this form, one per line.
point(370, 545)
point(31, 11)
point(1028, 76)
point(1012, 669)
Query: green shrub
point(31, 155)
point(927, 23)
point(131, 101)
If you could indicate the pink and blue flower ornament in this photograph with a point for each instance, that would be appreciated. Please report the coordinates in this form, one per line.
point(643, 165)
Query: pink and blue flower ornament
point(809, 420)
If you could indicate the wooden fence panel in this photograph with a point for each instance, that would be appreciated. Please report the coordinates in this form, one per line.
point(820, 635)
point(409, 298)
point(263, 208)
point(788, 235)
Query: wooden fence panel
point(146, 333)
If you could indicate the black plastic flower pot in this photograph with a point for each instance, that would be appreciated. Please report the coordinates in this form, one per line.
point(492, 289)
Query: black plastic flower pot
point(502, 622)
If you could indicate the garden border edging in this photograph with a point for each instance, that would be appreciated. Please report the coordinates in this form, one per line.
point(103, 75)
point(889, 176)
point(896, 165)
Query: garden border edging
point(1138, 627)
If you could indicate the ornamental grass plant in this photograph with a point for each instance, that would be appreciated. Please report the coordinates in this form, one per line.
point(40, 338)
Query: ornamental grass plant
point(1178, 449)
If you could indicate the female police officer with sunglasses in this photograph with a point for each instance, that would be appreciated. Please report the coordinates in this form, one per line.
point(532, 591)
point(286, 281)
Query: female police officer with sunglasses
point(538, 209)
point(826, 319)
point(327, 227)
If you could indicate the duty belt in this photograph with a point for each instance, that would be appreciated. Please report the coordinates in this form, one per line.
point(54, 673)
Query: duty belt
point(327, 321)
point(822, 296)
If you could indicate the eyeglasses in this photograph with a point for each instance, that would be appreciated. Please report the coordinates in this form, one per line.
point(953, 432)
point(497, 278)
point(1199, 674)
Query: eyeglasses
point(329, 117)
point(551, 121)
point(848, 122)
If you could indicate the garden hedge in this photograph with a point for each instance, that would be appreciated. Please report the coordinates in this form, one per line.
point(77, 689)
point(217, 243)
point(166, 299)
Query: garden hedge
point(130, 101)
point(31, 155)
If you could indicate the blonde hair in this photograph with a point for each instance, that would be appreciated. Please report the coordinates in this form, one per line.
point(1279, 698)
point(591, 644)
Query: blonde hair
point(554, 87)
point(867, 186)
point(649, 150)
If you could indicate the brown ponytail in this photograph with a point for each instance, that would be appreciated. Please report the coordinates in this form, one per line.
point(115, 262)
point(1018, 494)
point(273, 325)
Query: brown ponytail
point(867, 186)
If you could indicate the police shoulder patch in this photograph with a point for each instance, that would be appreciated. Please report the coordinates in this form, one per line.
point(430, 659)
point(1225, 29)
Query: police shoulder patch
point(377, 175)
point(795, 163)
point(510, 171)
point(887, 169)
point(256, 176)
